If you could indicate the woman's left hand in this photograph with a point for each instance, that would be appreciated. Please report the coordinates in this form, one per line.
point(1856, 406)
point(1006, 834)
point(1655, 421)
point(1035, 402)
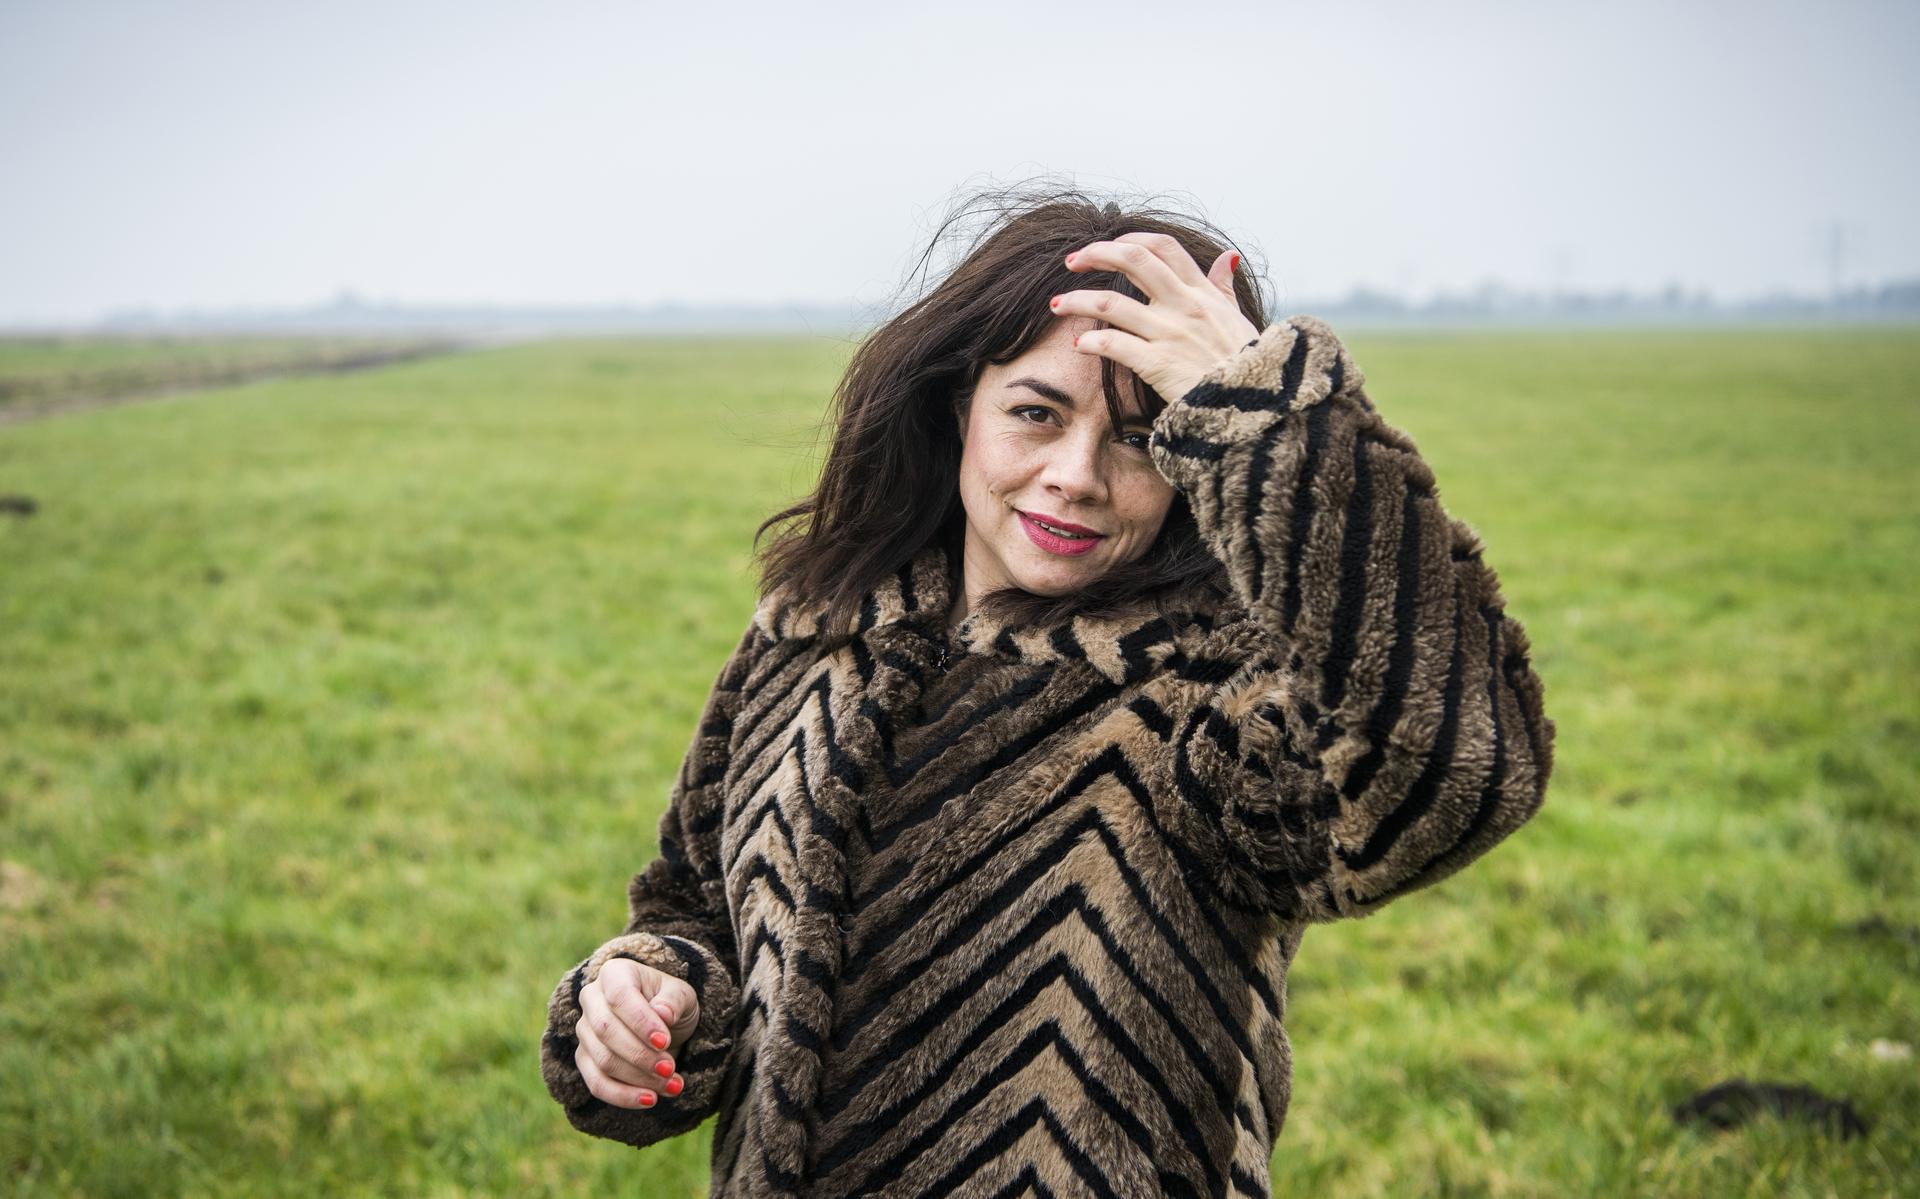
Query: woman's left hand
point(1190, 323)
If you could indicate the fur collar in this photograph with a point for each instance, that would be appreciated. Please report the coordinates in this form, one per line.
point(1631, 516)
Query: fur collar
point(912, 604)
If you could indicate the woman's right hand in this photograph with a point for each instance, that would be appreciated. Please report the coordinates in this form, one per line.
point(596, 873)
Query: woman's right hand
point(632, 1019)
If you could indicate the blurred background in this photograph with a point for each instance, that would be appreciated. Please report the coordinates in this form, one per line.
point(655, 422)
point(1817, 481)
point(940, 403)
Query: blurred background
point(389, 395)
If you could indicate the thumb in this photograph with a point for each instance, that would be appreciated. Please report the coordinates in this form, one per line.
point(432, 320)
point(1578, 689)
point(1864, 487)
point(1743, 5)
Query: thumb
point(676, 1003)
point(1221, 276)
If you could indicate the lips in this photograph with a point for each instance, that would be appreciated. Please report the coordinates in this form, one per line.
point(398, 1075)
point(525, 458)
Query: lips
point(1054, 543)
point(1065, 526)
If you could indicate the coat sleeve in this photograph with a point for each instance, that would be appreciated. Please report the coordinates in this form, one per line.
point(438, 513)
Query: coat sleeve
point(678, 923)
point(1386, 726)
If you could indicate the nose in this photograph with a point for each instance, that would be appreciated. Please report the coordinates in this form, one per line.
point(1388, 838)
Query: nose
point(1076, 469)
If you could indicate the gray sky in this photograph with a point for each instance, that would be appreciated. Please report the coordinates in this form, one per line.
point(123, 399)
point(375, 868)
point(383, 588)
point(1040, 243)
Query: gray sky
point(211, 154)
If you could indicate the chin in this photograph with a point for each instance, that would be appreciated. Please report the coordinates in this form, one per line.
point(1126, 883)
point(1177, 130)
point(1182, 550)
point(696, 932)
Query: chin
point(1058, 578)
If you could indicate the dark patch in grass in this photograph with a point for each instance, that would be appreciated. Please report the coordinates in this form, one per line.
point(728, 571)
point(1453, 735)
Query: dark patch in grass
point(145, 768)
point(18, 505)
point(250, 706)
point(1874, 860)
point(1843, 770)
point(1880, 926)
point(1736, 1101)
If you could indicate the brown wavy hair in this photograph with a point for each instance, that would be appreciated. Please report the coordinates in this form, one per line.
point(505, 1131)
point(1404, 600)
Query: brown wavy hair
point(891, 481)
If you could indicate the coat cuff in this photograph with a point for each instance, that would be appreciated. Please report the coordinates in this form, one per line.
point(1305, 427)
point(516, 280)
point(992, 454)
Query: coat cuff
point(701, 1059)
point(1259, 376)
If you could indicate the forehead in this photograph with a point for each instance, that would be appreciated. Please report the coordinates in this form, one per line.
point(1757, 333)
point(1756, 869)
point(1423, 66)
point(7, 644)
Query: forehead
point(1052, 368)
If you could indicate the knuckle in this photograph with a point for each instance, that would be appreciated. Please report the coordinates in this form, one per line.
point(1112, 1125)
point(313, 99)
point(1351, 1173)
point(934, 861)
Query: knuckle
point(1165, 241)
point(1134, 252)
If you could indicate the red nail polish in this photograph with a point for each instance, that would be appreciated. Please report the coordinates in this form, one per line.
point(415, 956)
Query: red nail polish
point(1054, 303)
point(1235, 265)
point(647, 1098)
point(673, 1086)
point(1072, 256)
point(663, 1067)
point(1076, 341)
point(660, 1040)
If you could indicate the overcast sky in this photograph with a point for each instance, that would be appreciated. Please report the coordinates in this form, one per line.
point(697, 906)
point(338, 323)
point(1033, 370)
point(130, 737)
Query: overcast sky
point(210, 154)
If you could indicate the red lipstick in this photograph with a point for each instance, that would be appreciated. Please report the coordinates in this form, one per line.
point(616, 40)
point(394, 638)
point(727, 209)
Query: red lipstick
point(1053, 543)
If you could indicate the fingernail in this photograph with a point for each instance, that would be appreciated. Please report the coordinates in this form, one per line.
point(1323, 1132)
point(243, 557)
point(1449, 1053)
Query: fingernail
point(1072, 256)
point(1076, 341)
point(673, 1085)
point(647, 1098)
point(663, 1067)
point(1235, 264)
point(1054, 303)
point(659, 1039)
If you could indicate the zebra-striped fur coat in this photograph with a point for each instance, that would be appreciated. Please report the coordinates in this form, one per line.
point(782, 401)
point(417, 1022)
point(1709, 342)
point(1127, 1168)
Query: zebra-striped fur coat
point(1010, 911)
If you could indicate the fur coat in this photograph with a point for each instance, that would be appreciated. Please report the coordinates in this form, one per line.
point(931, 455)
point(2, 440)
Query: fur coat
point(1008, 911)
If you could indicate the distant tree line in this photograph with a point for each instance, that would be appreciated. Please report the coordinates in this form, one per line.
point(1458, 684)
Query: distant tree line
point(1491, 302)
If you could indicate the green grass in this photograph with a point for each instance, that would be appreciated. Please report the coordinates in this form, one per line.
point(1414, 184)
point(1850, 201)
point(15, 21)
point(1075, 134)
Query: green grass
point(335, 712)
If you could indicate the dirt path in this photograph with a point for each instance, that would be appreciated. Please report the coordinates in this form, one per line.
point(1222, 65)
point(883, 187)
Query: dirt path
point(23, 400)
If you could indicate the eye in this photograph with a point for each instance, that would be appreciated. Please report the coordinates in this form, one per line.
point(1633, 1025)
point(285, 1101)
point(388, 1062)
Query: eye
point(1031, 408)
point(1144, 439)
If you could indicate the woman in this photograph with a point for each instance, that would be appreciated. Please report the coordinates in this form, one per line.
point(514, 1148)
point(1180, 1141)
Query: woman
point(1124, 640)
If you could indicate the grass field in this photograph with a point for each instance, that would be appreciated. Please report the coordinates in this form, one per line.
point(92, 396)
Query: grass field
point(335, 712)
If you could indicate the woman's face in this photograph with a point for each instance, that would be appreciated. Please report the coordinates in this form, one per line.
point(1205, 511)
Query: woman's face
point(1037, 444)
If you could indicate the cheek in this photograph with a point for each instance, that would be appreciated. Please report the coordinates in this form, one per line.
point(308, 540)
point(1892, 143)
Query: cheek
point(972, 477)
point(977, 484)
point(989, 471)
point(1148, 503)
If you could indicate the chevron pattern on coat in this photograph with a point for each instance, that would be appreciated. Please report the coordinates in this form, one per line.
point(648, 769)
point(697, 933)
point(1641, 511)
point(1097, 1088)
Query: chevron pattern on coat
point(1022, 925)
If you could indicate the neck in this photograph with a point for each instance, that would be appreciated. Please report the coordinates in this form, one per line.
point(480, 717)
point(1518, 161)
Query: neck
point(962, 595)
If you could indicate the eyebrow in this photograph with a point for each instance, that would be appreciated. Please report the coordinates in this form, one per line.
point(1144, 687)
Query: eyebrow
point(1049, 391)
